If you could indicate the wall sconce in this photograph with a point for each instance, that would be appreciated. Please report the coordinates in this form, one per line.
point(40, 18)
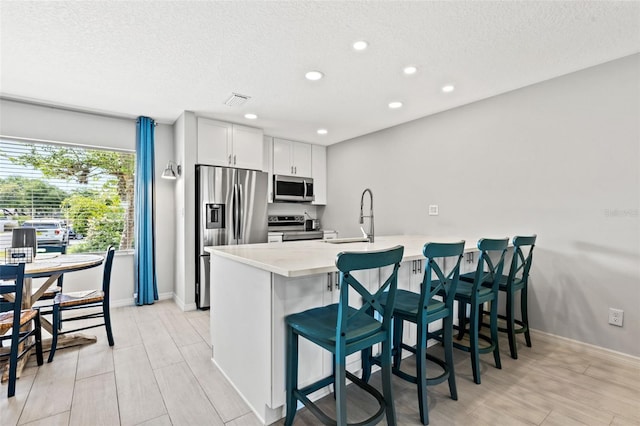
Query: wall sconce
point(172, 171)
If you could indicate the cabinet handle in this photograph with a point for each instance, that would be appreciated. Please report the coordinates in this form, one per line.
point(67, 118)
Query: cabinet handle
point(337, 281)
point(329, 286)
point(234, 160)
point(413, 266)
point(295, 169)
point(419, 266)
point(229, 161)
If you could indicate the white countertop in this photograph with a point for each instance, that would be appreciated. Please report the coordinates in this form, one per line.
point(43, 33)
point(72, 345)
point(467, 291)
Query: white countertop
point(301, 258)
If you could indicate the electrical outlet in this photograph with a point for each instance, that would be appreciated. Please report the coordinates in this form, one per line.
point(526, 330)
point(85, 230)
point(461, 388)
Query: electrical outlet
point(616, 316)
point(433, 210)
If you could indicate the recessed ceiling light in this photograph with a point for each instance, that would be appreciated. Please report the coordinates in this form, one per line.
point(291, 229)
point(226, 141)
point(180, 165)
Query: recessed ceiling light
point(322, 131)
point(360, 45)
point(250, 116)
point(314, 75)
point(395, 105)
point(410, 70)
point(448, 88)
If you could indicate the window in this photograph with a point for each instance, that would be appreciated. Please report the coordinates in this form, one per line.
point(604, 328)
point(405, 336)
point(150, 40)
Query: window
point(73, 195)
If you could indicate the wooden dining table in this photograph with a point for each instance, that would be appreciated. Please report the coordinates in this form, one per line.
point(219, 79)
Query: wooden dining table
point(52, 266)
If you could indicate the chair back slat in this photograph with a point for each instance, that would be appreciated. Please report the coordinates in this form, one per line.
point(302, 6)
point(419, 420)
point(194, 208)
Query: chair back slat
point(12, 277)
point(522, 258)
point(446, 277)
point(488, 272)
point(347, 262)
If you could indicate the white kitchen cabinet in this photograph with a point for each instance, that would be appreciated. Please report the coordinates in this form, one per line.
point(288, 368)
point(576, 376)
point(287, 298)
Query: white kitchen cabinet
point(267, 145)
point(229, 145)
point(293, 295)
point(291, 158)
point(319, 173)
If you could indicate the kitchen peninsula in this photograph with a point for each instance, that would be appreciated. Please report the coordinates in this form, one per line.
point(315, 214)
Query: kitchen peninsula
point(253, 287)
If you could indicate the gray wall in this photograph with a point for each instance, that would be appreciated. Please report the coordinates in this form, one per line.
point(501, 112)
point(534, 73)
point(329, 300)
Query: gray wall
point(22, 120)
point(560, 158)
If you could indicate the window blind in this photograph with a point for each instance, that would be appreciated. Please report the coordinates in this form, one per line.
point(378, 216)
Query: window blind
point(90, 190)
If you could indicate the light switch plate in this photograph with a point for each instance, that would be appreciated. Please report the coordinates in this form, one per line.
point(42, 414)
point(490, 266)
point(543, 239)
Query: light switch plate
point(433, 210)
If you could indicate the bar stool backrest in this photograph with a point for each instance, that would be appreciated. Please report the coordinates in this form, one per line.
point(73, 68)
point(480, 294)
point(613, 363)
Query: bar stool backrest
point(522, 259)
point(446, 278)
point(347, 262)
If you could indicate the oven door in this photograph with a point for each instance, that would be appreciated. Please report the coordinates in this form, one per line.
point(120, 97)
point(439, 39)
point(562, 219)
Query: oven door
point(292, 189)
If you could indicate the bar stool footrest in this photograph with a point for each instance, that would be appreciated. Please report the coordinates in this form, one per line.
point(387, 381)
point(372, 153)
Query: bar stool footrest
point(301, 395)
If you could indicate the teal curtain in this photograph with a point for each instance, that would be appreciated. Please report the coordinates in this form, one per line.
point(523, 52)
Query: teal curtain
point(145, 253)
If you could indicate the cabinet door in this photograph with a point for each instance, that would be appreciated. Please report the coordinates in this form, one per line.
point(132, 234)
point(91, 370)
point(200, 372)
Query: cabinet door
point(292, 295)
point(214, 142)
point(301, 159)
point(319, 173)
point(282, 157)
point(247, 148)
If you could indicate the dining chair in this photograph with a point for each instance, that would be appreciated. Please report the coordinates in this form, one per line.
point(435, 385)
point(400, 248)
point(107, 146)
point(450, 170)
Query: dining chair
point(14, 318)
point(54, 289)
point(517, 281)
point(342, 330)
point(84, 300)
point(474, 290)
point(423, 309)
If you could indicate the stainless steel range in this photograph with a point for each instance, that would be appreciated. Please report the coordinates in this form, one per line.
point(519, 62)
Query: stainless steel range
point(292, 228)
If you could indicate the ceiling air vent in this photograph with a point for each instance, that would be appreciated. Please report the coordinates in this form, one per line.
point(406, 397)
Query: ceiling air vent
point(237, 99)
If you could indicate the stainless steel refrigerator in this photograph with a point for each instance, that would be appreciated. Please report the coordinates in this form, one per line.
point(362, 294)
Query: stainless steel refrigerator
point(231, 208)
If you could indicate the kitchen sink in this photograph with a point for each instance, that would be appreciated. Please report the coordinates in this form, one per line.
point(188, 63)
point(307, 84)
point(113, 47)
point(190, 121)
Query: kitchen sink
point(347, 240)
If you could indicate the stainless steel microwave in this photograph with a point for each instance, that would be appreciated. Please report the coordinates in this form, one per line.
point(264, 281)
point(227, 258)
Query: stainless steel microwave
point(292, 189)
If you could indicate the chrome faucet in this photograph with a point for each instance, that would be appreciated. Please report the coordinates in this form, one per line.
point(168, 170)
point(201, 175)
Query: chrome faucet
point(369, 235)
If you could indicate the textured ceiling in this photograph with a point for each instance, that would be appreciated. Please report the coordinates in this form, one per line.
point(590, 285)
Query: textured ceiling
point(160, 58)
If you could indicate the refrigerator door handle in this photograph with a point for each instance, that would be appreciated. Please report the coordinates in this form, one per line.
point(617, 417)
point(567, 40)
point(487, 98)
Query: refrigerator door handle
point(239, 212)
point(234, 209)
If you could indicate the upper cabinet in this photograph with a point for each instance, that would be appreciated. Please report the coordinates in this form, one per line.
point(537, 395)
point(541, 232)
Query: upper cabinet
point(291, 158)
point(229, 145)
point(314, 160)
point(319, 173)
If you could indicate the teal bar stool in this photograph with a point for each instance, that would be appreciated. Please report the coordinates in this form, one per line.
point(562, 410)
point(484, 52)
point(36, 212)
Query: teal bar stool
point(423, 309)
point(343, 330)
point(518, 281)
point(475, 289)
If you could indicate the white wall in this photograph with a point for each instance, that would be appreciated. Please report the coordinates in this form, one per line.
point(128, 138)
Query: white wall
point(23, 120)
point(560, 158)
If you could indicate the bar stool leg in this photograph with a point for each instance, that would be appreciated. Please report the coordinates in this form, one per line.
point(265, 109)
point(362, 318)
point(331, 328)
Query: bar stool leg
point(291, 375)
point(511, 332)
point(448, 355)
point(339, 384)
point(494, 332)
point(421, 373)
point(387, 389)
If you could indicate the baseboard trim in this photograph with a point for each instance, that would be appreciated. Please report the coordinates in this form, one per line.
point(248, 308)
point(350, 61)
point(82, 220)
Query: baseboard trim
point(131, 302)
point(184, 306)
point(588, 346)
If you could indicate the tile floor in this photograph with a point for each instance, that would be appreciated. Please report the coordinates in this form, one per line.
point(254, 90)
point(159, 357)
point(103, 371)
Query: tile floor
point(160, 373)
